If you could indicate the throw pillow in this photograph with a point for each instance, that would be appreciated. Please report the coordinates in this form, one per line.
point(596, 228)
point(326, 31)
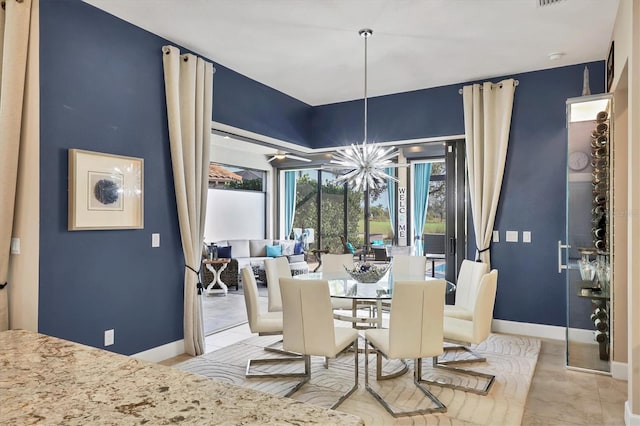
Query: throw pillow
point(287, 247)
point(224, 252)
point(351, 248)
point(298, 249)
point(274, 251)
point(377, 242)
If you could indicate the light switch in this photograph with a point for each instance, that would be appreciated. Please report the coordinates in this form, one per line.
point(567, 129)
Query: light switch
point(155, 240)
point(15, 246)
point(511, 236)
point(496, 236)
point(526, 236)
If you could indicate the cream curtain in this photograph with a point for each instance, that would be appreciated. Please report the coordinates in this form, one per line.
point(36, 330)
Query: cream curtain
point(189, 91)
point(487, 121)
point(15, 20)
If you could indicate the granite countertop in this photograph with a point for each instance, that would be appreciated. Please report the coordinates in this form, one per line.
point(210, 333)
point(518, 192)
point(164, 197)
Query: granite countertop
point(48, 380)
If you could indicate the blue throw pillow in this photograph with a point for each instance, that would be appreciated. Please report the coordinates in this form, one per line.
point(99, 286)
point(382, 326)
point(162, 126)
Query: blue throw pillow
point(377, 242)
point(274, 251)
point(351, 248)
point(297, 249)
point(224, 252)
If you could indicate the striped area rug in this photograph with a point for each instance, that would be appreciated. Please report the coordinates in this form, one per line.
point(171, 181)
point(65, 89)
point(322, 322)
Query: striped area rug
point(511, 358)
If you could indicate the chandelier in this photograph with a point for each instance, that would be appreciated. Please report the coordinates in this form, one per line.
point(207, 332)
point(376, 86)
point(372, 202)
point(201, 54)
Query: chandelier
point(365, 163)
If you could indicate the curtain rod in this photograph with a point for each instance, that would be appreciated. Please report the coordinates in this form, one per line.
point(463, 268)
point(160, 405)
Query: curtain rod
point(515, 83)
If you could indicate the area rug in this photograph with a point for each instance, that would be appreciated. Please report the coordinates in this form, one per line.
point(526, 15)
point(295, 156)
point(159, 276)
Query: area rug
point(511, 358)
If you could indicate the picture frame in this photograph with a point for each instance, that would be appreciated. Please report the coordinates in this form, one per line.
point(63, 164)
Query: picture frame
point(105, 191)
point(610, 67)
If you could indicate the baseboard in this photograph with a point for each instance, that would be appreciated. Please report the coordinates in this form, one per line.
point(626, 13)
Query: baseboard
point(630, 419)
point(161, 353)
point(619, 370)
point(528, 329)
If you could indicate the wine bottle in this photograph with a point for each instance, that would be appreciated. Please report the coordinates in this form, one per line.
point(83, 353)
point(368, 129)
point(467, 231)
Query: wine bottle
point(601, 325)
point(601, 336)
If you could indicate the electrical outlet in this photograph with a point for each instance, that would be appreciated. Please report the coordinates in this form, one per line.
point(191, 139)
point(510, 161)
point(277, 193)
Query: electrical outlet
point(109, 337)
point(526, 236)
point(155, 240)
point(496, 236)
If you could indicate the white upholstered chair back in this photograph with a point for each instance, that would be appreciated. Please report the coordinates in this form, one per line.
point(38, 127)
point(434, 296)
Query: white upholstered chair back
point(275, 269)
point(467, 286)
point(333, 265)
point(409, 268)
point(483, 309)
point(250, 290)
point(307, 317)
point(415, 324)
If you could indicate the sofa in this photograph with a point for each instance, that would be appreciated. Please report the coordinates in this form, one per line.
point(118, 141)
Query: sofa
point(252, 253)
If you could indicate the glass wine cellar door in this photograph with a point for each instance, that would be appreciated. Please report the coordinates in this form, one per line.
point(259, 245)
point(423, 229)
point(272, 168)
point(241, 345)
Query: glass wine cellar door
point(587, 247)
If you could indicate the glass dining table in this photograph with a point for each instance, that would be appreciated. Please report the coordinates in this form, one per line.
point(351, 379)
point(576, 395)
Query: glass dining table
point(371, 297)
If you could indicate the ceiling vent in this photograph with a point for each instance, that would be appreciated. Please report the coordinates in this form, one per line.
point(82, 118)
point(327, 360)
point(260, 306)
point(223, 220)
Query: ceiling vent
point(542, 3)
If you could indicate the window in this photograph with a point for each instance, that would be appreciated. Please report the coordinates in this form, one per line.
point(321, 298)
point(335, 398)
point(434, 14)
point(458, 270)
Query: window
point(222, 176)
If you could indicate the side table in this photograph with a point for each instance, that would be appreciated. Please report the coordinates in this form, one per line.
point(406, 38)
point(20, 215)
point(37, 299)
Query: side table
point(216, 286)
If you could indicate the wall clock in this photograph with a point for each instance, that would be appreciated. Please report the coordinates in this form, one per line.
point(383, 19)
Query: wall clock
point(578, 160)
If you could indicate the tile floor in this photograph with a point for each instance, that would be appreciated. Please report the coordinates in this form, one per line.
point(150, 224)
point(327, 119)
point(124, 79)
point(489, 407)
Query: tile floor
point(557, 396)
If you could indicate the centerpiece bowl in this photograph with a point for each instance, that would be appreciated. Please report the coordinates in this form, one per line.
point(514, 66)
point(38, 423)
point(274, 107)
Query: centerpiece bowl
point(365, 272)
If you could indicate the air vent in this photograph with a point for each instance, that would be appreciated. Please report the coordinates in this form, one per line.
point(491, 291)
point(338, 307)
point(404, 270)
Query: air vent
point(542, 3)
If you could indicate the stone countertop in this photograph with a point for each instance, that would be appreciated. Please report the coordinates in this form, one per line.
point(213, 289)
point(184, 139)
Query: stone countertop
point(46, 380)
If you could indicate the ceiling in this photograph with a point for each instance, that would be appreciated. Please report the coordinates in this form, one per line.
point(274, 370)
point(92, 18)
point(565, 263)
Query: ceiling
point(311, 49)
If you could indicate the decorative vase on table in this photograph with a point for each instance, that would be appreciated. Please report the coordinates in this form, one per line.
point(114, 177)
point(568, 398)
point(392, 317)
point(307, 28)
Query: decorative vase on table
point(364, 272)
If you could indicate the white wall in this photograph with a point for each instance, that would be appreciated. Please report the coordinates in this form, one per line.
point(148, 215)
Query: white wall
point(234, 152)
point(234, 215)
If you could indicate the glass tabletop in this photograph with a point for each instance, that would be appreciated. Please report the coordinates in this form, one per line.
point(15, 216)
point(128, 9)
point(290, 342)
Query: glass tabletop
point(345, 287)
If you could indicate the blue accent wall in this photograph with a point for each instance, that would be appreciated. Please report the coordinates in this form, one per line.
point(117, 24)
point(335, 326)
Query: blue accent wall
point(530, 289)
point(246, 104)
point(102, 89)
point(403, 116)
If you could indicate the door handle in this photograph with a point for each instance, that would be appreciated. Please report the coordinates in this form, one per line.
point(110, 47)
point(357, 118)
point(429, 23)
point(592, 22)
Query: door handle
point(452, 246)
point(560, 247)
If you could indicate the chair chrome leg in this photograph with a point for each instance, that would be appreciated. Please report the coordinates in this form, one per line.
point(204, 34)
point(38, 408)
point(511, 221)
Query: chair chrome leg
point(490, 378)
point(355, 384)
point(440, 407)
point(253, 362)
point(306, 375)
point(475, 357)
point(278, 350)
point(379, 355)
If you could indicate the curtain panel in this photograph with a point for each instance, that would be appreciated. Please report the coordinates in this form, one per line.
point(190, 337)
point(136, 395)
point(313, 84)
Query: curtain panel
point(422, 172)
point(15, 22)
point(487, 122)
point(189, 93)
point(289, 202)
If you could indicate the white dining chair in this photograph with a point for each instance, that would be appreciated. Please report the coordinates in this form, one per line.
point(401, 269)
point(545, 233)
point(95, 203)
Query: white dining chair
point(275, 269)
point(333, 267)
point(415, 332)
point(264, 324)
point(409, 268)
point(473, 331)
point(309, 328)
point(466, 289)
point(471, 273)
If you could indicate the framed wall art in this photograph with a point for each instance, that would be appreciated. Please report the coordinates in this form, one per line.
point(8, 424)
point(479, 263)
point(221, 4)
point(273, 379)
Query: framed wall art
point(105, 191)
